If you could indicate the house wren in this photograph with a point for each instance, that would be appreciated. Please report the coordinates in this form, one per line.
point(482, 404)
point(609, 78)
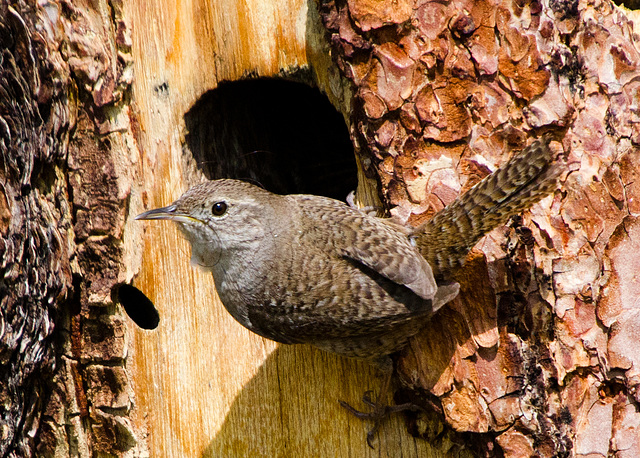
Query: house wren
point(309, 269)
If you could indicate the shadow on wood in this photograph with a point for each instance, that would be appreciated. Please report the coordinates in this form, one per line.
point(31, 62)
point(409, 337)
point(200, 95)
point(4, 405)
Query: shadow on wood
point(299, 388)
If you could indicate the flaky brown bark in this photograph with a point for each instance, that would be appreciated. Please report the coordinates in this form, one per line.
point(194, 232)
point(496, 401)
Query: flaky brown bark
point(533, 350)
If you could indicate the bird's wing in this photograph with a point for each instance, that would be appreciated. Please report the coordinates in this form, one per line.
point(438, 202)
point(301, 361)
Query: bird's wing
point(367, 240)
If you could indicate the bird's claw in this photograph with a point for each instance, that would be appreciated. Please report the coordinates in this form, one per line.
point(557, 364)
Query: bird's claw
point(378, 412)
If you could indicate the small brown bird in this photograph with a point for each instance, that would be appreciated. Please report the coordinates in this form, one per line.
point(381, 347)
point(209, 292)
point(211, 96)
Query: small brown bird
point(309, 269)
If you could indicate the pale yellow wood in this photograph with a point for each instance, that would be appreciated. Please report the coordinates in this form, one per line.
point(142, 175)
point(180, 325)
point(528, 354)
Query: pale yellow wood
point(205, 386)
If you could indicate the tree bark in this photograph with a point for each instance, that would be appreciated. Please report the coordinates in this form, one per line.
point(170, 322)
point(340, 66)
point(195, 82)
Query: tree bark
point(66, 145)
point(536, 357)
point(533, 351)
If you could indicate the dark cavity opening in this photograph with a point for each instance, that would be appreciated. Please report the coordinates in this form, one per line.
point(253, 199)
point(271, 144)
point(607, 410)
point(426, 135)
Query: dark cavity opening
point(137, 305)
point(630, 4)
point(282, 135)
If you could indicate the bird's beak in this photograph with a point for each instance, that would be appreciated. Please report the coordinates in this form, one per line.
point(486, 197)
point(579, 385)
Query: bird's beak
point(159, 213)
point(170, 212)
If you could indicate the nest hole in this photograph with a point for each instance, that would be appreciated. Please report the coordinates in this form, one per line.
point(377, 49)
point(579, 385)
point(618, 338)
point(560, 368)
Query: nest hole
point(282, 135)
point(136, 305)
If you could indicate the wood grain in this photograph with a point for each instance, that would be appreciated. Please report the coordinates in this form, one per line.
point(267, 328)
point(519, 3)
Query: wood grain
point(204, 385)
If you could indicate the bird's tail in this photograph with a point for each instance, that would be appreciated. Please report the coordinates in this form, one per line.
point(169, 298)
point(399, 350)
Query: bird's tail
point(530, 175)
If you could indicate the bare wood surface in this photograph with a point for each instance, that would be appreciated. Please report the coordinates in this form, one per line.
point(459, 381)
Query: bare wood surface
point(204, 385)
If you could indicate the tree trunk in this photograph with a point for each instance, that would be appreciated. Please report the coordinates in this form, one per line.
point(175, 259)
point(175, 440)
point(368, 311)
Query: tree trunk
point(537, 355)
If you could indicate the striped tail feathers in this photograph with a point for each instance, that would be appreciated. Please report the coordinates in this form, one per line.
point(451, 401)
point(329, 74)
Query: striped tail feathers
point(530, 175)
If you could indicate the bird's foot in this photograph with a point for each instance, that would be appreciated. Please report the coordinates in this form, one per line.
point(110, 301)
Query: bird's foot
point(379, 411)
point(369, 209)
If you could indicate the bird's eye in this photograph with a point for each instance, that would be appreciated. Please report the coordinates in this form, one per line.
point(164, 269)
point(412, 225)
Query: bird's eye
point(219, 208)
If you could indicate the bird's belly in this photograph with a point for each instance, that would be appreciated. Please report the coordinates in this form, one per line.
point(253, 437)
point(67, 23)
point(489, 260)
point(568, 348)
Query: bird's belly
point(373, 347)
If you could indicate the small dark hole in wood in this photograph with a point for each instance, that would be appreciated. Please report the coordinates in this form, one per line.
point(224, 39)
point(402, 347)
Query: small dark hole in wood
point(138, 306)
point(282, 135)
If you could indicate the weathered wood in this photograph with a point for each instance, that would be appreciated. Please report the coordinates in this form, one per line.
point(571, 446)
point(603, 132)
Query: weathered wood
point(35, 227)
point(228, 392)
point(66, 170)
